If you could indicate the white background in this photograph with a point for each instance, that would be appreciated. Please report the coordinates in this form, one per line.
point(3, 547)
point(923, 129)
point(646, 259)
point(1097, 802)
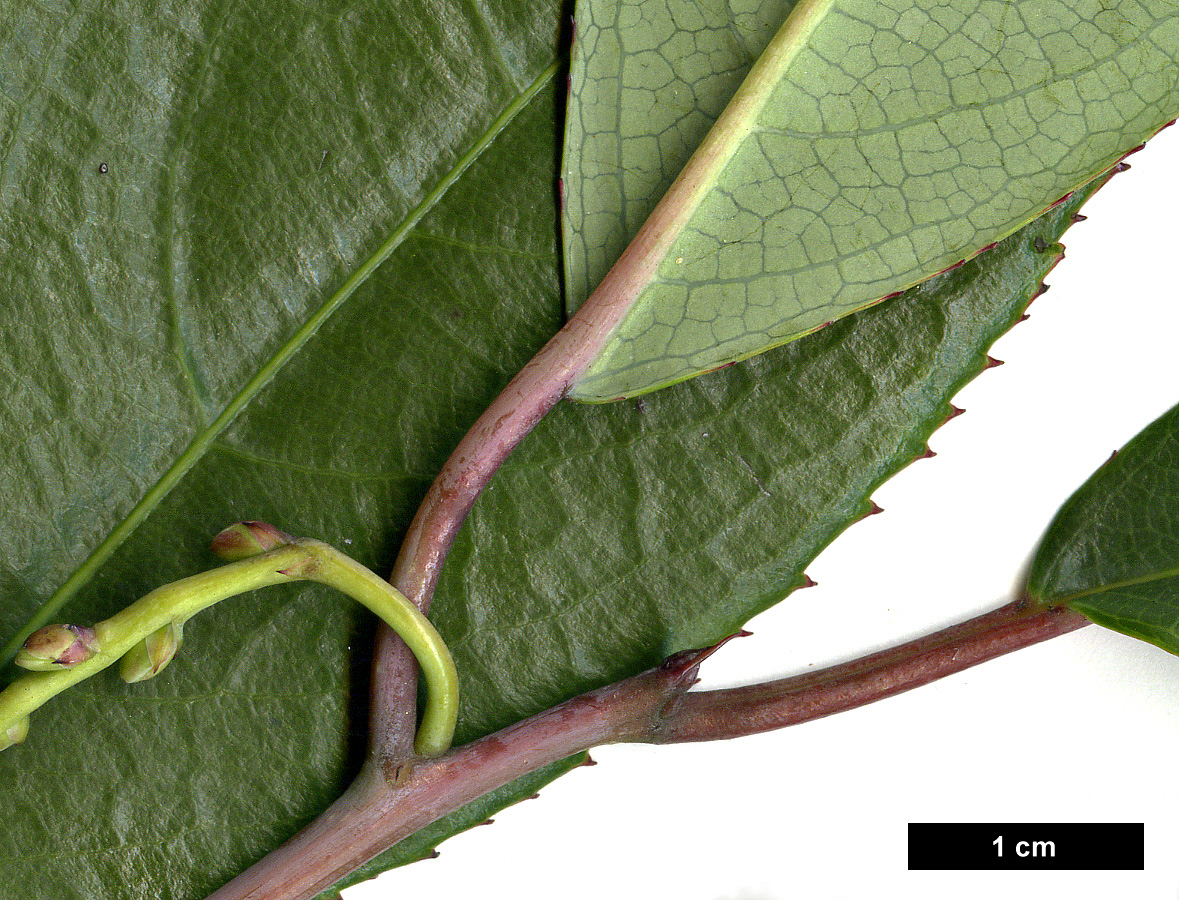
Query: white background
point(1082, 728)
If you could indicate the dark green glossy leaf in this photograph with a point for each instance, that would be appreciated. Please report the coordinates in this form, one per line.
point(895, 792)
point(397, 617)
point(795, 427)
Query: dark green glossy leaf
point(631, 531)
point(184, 191)
point(1112, 552)
point(144, 303)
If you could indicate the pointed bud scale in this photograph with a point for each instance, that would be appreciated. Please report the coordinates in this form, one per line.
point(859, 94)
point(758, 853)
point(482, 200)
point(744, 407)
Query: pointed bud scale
point(246, 539)
point(57, 647)
point(149, 657)
point(14, 734)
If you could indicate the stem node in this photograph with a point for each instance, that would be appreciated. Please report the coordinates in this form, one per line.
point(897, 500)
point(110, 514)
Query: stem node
point(57, 647)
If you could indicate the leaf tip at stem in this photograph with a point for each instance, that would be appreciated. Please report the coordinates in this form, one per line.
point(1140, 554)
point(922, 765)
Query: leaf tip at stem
point(685, 665)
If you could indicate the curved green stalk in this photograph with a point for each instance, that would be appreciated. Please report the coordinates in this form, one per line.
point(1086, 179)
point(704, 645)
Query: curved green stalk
point(273, 558)
point(330, 566)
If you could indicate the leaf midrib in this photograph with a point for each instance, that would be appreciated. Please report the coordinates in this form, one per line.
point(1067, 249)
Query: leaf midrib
point(201, 444)
point(1161, 575)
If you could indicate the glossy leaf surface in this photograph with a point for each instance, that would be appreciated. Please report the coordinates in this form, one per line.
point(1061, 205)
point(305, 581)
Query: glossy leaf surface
point(887, 141)
point(193, 278)
point(1112, 552)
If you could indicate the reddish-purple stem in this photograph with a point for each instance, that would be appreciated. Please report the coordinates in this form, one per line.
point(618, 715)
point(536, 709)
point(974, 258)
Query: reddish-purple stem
point(529, 396)
point(735, 712)
point(382, 807)
point(511, 416)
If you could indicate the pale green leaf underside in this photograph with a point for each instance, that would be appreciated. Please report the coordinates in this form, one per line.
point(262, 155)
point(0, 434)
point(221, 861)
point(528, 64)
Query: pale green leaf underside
point(903, 138)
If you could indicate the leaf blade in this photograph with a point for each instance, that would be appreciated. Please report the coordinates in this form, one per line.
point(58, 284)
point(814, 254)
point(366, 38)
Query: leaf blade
point(898, 161)
point(262, 102)
point(1112, 552)
point(205, 438)
point(254, 720)
point(226, 711)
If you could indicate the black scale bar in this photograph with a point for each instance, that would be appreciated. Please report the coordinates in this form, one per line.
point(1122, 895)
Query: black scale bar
point(1026, 845)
